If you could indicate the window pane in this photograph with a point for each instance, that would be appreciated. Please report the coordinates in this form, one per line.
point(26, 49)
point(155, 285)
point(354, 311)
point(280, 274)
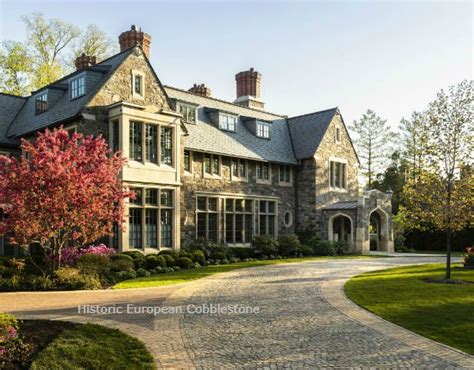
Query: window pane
point(213, 226)
point(238, 205)
point(207, 163)
point(138, 196)
point(212, 204)
point(138, 84)
point(337, 175)
point(331, 174)
point(166, 227)
point(151, 143)
point(151, 219)
point(248, 205)
point(229, 205)
point(166, 145)
point(202, 203)
point(266, 173)
point(229, 228)
point(201, 225)
point(248, 228)
point(343, 175)
point(288, 174)
point(271, 207)
point(136, 141)
point(259, 171)
point(215, 165)
point(187, 161)
point(239, 221)
point(115, 136)
point(242, 168)
point(263, 206)
point(271, 225)
point(166, 198)
point(151, 197)
point(263, 225)
point(234, 168)
point(135, 227)
point(191, 118)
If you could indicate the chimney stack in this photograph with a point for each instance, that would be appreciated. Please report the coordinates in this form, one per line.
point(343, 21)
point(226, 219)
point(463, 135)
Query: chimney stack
point(248, 89)
point(133, 37)
point(84, 61)
point(201, 89)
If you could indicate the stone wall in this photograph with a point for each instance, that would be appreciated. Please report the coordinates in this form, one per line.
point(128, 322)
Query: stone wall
point(306, 195)
point(195, 182)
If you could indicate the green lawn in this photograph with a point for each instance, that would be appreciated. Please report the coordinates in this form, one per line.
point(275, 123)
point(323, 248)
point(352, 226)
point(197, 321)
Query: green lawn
point(89, 346)
point(182, 276)
point(442, 312)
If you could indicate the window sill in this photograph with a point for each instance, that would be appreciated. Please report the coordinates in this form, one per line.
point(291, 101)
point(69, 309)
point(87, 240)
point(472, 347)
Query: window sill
point(239, 179)
point(284, 183)
point(151, 166)
point(211, 177)
point(338, 190)
point(264, 182)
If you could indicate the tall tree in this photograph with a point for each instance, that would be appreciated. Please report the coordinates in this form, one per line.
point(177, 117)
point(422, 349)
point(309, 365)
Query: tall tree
point(94, 42)
point(64, 189)
point(442, 195)
point(414, 143)
point(372, 135)
point(15, 68)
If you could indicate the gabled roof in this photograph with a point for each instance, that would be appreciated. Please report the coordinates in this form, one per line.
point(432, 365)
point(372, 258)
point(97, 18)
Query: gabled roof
point(64, 108)
point(205, 136)
point(10, 105)
point(308, 130)
point(349, 204)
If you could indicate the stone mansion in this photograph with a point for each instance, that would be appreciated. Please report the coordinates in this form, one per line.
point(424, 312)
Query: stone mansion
point(203, 167)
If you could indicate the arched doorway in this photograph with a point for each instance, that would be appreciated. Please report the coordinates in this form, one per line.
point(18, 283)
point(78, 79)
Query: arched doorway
point(340, 228)
point(378, 230)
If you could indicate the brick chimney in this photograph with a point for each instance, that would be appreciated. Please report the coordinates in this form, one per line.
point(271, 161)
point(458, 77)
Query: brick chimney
point(201, 89)
point(84, 61)
point(134, 37)
point(248, 89)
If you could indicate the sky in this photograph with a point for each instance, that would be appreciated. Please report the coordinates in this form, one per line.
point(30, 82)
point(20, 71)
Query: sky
point(391, 57)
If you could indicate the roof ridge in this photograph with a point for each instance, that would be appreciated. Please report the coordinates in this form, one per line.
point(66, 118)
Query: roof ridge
point(317, 112)
point(225, 101)
point(13, 95)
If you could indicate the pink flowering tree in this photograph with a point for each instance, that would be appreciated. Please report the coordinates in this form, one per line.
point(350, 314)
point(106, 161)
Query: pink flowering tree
point(64, 190)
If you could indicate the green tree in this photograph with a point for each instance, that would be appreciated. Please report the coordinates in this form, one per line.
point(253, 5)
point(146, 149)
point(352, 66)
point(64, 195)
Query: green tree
point(15, 68)
point(442, 197)
point(371, 139)
point(94, 42)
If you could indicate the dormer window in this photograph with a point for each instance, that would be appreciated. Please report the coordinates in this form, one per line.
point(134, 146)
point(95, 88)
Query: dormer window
point(188, 112)
point(227, 122)
point(41, 103)
point(78, 87)
point(138, 85)
point(263, 130)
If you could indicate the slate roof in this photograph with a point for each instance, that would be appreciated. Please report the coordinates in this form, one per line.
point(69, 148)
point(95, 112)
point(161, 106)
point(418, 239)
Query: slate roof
point(64, 108)
point(350, 204)
point(205, 136)
point(308, 130)
point(10, 105)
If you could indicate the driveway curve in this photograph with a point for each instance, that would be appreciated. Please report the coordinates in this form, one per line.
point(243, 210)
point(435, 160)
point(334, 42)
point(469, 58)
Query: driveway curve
point(292, 316)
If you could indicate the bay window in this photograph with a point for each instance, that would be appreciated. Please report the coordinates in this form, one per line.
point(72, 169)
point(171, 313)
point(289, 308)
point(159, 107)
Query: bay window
point(166, 145)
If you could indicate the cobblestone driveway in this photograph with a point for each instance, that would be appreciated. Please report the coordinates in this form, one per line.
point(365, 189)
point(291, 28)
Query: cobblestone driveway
point(304, 320)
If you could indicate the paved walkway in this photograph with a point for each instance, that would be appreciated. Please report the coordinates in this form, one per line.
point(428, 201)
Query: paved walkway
point(304, 320)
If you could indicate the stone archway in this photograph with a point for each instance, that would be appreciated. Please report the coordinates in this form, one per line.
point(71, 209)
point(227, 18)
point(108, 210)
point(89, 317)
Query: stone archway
point(378, 230)
point(340, 227)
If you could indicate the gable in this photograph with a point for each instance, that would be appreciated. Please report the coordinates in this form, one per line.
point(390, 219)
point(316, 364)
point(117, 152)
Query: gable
point(118, 86)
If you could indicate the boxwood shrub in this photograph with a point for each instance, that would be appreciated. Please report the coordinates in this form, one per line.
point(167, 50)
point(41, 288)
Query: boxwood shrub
point(184, 263)
point(153, 261)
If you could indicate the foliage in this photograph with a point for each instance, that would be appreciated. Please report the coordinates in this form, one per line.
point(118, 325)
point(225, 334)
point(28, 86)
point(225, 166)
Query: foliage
point(70, 278)
point(169, 252)
point(307, 234)
point(265, 244)
point(341, 248)
point(46, 54)
point(288, 245)
point(138, 258)
point(71, 255)
point(121, 262)
point(169, 260)
point(64, 189)
point(468, 257)
point(240, 252)
point(199, 257)
point(184, 262)
point(372, 136)
point(14, 351)
point(153, 261)
point(323, 247)
point(306, 250)
point(94, 264)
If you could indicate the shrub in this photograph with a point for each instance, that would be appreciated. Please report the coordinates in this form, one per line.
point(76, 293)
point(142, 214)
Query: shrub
point(198, 257)
point(240, 252)
point(208, 247)
point(125, 275)
point(71, 278)
point(14, 352)
point(341, 248)
point(306, 250)
point(288, 245)
point(142, 273)
point(305, 236)
point(121, 262)
point(71, 255)
point(94, 264)
point(169, 260)
point(468, 257)
point(169, 252)
point(7, 322)
point(184, 263)
point(153, 261)
point(219, 255)
point(16, 265)
point(323, 247)
point(265, 244)
point(39, 283)
point(138, 259)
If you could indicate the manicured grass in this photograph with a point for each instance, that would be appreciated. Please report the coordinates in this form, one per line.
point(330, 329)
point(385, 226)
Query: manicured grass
point(64, 345)
point(442, 312)
point(182, 276)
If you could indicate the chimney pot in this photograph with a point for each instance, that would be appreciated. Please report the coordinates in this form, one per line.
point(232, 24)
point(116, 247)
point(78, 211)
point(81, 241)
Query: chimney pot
point(84, 61)
point(201, 89)
point(133, 37)
point(248, 89)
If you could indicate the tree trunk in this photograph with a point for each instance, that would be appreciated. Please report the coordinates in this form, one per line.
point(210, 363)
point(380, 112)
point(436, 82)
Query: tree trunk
point(448, 255)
